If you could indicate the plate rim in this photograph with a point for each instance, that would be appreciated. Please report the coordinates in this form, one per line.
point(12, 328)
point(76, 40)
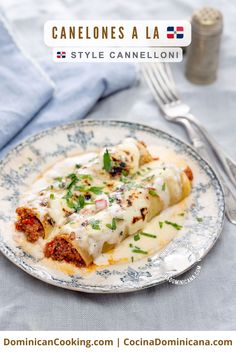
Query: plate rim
point(109, 123)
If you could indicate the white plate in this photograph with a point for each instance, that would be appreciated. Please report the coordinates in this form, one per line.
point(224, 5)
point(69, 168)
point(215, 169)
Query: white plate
point(20, 167)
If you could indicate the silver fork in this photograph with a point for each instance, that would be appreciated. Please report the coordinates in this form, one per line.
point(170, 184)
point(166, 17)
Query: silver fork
point(168, 97)
point(162, 85)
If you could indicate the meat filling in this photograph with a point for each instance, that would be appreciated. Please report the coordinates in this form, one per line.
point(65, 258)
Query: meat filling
point(59, 249)
point(189, 173)
point(29, 224)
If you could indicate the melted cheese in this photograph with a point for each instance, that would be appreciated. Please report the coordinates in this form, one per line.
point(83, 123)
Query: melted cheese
point(164, 178)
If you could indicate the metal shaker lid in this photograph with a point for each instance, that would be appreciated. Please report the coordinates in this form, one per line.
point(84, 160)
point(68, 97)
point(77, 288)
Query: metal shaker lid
point(207, 21)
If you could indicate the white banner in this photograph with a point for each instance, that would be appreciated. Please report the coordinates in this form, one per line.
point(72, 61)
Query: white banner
point(169, 342)
point(131, 54)
point(117, 33)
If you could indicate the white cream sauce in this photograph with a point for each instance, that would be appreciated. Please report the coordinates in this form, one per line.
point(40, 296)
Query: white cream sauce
point(123, 252)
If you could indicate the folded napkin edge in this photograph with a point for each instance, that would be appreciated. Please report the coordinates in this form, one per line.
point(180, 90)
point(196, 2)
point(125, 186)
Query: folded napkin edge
point(27, 56)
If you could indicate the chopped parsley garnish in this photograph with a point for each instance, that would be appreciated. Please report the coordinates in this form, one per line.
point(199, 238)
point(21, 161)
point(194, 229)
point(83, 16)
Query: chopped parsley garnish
point(71, 176)
point(74, 180)
point(153, 193)
point(141, 233)
point(81, 188)
point(96, 189)
point(58, 179)
point(52, 196)
point(138, 173)
point(78, 204)
point(81, 201)
point(199, 219)
point(181, 214)
point(139, 251)
point(176, 226)
point(112, 226)
point(86, 176)
point(70, 204)
point(161, 224)
point(111, 200)
point(147, 234)
point(125, 173)
point(78, 165)
point(132, 259)
point(163, 188)
point(124, 179)
point(95, 224)
point(119, 219)
point(149, 178)
point(93, 159)
point(107, 162)
point(68, 194)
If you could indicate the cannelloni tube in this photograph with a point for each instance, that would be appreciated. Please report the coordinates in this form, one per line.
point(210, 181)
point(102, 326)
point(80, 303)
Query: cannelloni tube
point(38, 214)
point(87, 204)
point(132, 207)
point(33, 223)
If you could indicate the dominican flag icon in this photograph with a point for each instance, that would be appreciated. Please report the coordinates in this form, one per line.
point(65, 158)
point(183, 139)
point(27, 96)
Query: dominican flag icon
point(61, 55)
point(175, 32)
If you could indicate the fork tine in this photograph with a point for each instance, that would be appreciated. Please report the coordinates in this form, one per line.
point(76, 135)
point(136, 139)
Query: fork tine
point(161, 86)
point(171, 78)
point(152, 87)
point(166, 83)
point(161, 79)
point(153, 77)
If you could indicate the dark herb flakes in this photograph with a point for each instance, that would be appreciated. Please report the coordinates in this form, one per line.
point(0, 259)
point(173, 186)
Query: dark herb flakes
point(199, 219)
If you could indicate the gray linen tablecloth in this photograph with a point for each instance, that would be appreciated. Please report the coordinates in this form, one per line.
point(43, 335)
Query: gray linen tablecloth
point(207, 303)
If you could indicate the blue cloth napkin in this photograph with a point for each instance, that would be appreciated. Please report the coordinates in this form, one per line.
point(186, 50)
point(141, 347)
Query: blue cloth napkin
point(24, 89)
point(36, 96)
